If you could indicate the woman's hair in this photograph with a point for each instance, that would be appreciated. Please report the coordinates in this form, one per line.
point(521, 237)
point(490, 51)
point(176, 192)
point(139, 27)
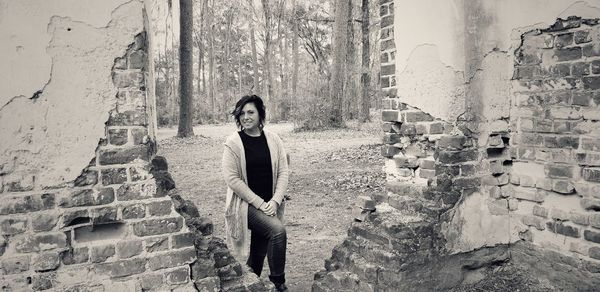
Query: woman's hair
point(258, 103)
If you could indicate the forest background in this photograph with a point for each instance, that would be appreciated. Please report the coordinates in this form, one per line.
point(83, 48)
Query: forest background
point(314, 62)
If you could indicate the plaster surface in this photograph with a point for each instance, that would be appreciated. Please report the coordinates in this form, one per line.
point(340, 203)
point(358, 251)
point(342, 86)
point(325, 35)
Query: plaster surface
point(67, 58)
point(464, 33)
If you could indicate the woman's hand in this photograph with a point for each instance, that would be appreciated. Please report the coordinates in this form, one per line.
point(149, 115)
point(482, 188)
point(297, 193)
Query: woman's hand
point(267, 208)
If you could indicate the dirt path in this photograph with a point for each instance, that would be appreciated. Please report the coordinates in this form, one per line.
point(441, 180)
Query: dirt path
point(329, 170)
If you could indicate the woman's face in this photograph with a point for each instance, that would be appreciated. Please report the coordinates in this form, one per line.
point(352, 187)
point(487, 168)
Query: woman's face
point(249, 117)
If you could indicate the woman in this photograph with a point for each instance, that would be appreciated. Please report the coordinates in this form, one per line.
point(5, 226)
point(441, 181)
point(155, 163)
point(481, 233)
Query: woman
point(256, 172)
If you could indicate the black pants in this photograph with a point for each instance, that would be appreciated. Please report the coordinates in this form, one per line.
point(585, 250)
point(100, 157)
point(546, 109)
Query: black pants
point(268, 238)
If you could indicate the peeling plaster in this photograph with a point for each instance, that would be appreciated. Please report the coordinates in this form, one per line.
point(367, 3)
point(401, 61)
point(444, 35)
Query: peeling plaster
point(25, 63)
point(54, 136)
point(430, 85)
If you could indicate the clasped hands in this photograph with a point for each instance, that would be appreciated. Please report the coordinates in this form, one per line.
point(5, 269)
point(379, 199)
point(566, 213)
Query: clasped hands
point(269, 208)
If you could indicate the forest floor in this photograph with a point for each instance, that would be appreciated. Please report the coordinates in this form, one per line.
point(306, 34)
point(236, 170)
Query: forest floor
point(329, 169)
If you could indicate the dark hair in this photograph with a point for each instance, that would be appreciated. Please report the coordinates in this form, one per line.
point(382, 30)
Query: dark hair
point(258, 103)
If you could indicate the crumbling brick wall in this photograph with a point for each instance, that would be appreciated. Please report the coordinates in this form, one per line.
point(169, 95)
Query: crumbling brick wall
point(529, 172)
point(555, 175)
point(120, 225)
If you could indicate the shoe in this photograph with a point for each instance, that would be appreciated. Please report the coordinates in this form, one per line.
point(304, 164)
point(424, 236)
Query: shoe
point(280, 287)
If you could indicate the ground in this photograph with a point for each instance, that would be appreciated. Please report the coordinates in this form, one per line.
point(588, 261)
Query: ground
point(329, 169)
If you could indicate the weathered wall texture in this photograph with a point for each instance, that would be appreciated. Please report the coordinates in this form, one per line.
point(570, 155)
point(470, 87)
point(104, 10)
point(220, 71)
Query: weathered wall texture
point(491, 131)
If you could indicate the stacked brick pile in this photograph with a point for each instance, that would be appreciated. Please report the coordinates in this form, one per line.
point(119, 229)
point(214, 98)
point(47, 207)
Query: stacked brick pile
point(120, 226)
point(555, 175)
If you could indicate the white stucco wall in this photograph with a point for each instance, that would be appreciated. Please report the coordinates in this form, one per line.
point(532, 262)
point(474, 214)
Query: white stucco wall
point(66, 50)
point(441, 45)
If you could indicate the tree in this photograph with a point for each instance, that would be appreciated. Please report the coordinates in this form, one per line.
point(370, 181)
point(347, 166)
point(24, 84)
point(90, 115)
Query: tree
point(186, 63)
point(340, 51)
point(365, 77)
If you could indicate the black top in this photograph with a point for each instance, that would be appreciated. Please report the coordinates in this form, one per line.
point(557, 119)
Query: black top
point(258, 165)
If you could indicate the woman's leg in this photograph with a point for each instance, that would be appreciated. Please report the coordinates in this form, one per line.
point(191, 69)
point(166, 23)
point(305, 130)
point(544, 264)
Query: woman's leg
point(258, 251)
point(273, 230)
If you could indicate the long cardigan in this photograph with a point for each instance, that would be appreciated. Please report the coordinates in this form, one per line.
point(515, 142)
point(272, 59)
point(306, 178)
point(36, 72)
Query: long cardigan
point(239, 195)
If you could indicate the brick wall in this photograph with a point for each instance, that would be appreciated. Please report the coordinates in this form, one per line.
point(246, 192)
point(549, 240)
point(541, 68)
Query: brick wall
point(556, 141)
point(121, 225)
point(534, 176)
point(388, 47)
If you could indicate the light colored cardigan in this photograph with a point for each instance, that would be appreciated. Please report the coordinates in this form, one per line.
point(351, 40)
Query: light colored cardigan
point(239, 195)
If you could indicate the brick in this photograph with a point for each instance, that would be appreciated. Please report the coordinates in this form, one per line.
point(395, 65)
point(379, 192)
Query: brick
point(578, 218)
point(133, 211)
point(372, 235)
point(39, 242)
point(564, 187)
point(540, 211)
point(157, 244)
point(13, 226)
point(580, 69)
point(88, 197)
point(560, 228)
point(76, 255)
point(46, 262)
point(451, 157)
point(596, 67)
point(26, 204)
point(114, 176)
point(153, 281)
point(416, 116)
point(388, 69)
point(139, 136)
point(408, 129)
point(534, 222)
point(560, 70)
point(127, 249)
point(559, 214)
point(426, 173)
point(384, 46)
point(561, 142)
point(117, 137)
point(15, 265)
point(172, 259)
point(127, 78)
point(127, 118)
point(101, 253)
point(87, 178)
point(591, 174)
point(590, 144)
point(567, 54)
point(104, 215)
point(387, 21)
point(594, 252)
point(128, 192)
point(594, 220)
point(391, 138)
point(137, 60)
point(41, 221)
point(178, 276)
point(563, 40)
point(390, 115)
point(71, 218)
point(389, 151)
point(404, 161)
point(436, 128)
point(529, 195)
point(427, 164)
point(157, 226)
point(591, 82)
point(182, 240)
point(592, 236)
point(125, 155)
point(582, 36)
point(591, 50)
point(123, 268)
point(452, 142)
point(590, 204)
point(43, 281)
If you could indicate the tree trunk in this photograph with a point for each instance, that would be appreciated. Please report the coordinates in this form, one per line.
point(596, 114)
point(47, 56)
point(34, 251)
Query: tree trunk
point(340, 35)
point(365, 77)
point(186, 74)
point(211, 64)
point(269, 99)
point(256, 88)
point(295, 57)
point(350, 69)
